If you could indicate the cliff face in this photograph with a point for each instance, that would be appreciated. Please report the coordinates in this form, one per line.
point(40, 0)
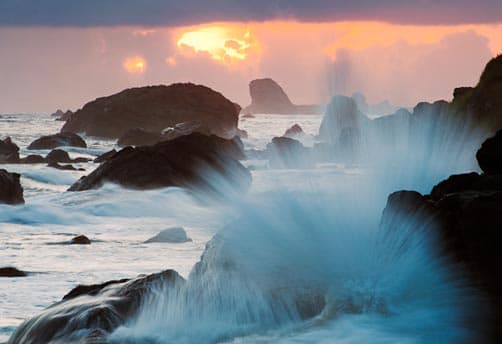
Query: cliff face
point(155, 108)
point(267, 97)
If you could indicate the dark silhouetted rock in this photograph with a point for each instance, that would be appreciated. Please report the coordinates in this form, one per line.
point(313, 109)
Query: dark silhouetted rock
point(58, 140)
point(155, 108)
point(105, 156)
point(170, 235)
point(294, 131)
point(80, 240)
point(489, 156)
point(267, 97)
point(58, 155)
point(181, 162)
point(139, 137)
point(33, 159)
point(58, 113)
point(9, 151)
point(11, 272)
point(284, 152)
point(90, 313)
point(11, 191)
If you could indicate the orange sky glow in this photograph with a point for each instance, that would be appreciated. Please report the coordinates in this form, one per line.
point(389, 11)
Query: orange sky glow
point(312, 61)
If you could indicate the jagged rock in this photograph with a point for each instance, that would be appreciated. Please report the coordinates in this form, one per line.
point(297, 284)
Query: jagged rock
point(105, 156)
point(154, 108)
point(180, 162)
point(267, 97)
point(11, 272)
point(489, 156)
point(90, 313)
point(170, 235)
point(9, 151)
point(58, 140)
point(11, 191)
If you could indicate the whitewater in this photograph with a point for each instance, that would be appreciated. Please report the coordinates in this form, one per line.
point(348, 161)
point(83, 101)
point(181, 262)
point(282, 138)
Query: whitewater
point(313, 233)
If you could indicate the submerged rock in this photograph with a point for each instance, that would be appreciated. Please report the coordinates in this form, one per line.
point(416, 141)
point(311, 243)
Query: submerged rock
point(33, 159)
point(154, 108)
point(80, 240)
point(12, 272)
point(9, 151)
point(66, 167)
point(11, 191)
point(170, 235)
point(58, 140)
point(184, 162)
point(90, 313)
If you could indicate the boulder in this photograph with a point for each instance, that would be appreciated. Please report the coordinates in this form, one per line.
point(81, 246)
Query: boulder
point(11, 191)
point(154, 108)
point(88, 314)
point(80, 240)
point(139, 137)
point(9, 151)
point(58, 140)
point(489, 156)
point(181, 162)
point(267, 97)
point(12, 272)
point(170, 235)
point(58, 155)
point(33, 159)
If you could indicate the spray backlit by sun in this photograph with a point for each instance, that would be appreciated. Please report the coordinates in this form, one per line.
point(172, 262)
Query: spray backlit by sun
point(134, 65)
point(222, 43)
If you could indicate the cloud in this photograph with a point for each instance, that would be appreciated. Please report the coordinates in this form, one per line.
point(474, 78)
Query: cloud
point(147, 13)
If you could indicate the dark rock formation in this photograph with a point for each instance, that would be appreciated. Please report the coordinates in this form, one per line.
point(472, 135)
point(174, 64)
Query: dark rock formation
point(80, 240)
point(294, 131)
point(58, 155)
point(284, 152)
point(139, 137)
point(489, 156)
point(465, 211)
point(58, 140)
point(155, 108)
point(11, 191)
point(62, 116)
point(79, 318)
point(9, 151)
point(105, 156)
point(267, 97)
point(33, 159)
point(170, 235)
point(180, 162)
point(12, 272)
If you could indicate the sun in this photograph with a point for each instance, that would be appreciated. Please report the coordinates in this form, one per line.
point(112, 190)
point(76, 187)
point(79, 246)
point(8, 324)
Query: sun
point(223, 43)
point(134, 65)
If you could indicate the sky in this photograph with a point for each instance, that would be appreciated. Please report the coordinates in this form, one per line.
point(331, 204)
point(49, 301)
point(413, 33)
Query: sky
point(61, 54)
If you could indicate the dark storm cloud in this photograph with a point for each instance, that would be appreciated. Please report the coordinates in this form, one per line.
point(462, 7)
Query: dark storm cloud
point(184, 12)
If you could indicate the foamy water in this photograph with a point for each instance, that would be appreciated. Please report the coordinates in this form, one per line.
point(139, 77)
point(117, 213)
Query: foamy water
point(315, 230)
